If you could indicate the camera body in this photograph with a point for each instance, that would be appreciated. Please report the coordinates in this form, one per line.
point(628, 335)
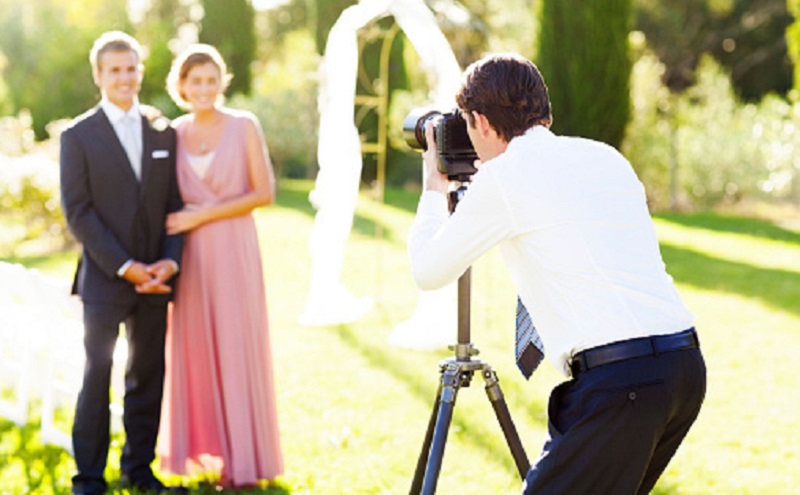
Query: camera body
point(456, 153)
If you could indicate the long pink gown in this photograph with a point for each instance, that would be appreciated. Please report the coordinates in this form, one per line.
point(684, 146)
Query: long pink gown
point(219, 410)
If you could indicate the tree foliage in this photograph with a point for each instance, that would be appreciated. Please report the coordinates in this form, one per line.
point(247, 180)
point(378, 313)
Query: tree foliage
point(745, 36)
point(284, 99)
point(793, 39)
point(158, 28)
point(47, 45)
point(584, 57)
point(229, 25)
point(322, 15)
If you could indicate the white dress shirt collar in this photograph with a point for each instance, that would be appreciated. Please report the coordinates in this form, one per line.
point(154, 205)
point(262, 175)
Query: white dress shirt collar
point(115, 114)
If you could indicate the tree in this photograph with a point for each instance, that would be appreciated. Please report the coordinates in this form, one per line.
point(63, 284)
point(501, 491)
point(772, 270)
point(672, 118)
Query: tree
point(156, 32)
point(47, 45)
point(746, 36)
point(6, 106)
point(793, 39)
point(584, 57)
point(229, 26)
point(322, 15)
point(751, 43)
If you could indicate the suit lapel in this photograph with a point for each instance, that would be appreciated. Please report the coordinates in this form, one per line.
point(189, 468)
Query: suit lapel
point(108, 137)
point(147, 149)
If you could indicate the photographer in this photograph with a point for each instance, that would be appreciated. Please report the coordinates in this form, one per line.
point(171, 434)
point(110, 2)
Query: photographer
point(571, 220)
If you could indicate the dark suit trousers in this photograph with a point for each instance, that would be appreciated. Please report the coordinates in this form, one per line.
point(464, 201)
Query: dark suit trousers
point(145, 328)
point(613, 429)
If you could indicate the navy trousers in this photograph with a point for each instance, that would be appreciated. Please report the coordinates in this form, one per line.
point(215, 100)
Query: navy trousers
point(145, 328)
point(614, 428)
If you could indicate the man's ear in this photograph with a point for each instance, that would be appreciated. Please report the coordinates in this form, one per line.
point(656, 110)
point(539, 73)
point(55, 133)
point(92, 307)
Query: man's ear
point(482, 124)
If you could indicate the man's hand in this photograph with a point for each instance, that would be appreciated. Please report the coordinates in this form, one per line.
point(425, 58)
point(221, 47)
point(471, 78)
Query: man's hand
point(159, 274)
point(137, 274)
point(432, 179)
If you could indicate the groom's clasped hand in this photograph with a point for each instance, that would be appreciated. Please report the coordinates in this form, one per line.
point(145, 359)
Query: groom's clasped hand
point(152, 278)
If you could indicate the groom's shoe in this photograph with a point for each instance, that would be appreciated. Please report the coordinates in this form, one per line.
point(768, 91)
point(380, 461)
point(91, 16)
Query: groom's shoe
point(79, 489)
point(149, 484)
point(82, 490)
point(84, 485)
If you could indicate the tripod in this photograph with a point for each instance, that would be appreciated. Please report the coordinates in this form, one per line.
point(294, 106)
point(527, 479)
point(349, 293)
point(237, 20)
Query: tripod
point(457, 372)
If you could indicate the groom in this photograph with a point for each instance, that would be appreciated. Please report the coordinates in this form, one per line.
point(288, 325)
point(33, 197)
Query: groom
point(118, 183)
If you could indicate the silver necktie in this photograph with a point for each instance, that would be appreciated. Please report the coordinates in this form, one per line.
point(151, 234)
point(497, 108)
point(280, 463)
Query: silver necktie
point(132, 144)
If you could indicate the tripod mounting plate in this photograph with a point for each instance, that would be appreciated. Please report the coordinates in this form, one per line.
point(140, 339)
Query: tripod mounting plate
point(464, 351)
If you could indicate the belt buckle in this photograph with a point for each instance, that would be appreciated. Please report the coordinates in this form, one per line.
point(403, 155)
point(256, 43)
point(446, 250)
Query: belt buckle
point(695, 338)
point(575, 362)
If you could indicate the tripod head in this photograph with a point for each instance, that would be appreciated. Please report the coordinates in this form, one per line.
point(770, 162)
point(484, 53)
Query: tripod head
point(458, 189)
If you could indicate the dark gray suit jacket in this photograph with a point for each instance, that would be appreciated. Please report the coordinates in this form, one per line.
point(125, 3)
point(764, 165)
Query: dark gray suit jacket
point(109, 211)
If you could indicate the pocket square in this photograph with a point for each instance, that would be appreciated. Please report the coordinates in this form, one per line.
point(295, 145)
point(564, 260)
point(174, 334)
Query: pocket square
point(160, 154)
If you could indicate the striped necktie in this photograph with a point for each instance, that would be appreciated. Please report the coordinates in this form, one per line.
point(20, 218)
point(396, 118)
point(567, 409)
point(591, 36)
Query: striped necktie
point(529, 349)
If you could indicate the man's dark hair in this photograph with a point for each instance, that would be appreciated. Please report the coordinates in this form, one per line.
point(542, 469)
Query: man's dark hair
point(509, 90)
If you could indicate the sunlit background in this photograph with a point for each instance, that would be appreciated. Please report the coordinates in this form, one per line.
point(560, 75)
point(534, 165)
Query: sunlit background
point(700, 95)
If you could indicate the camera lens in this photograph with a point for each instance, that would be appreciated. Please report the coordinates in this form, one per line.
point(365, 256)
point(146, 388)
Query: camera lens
point(414, 127)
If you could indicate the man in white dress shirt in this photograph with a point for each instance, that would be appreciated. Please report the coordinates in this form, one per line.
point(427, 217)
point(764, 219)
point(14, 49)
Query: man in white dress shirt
point(571, 220)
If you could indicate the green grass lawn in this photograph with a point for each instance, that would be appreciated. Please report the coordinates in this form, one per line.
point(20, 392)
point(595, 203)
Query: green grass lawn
point(353, 410)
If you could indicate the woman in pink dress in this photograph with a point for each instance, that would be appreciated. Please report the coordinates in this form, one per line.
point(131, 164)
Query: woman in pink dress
point(219, 413)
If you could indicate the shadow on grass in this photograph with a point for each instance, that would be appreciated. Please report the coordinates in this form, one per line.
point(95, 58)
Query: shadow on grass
point(470, 431)
point(293, 194)
point(731, 224)
point(776, 288)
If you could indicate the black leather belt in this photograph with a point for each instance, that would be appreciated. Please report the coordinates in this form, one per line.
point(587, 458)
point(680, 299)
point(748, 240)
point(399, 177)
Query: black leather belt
point(634, 348)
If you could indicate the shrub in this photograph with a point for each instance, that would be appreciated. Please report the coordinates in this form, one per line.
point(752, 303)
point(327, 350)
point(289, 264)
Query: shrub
point(30, 196)
point(29, 189)
point(704, 147)
point(285, 102)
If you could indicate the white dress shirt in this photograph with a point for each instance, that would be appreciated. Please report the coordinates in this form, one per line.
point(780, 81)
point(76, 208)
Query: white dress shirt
point(571, 220)
point(118, 117)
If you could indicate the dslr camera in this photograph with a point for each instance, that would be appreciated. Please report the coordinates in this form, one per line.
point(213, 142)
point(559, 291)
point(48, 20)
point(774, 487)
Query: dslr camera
point(456, 153)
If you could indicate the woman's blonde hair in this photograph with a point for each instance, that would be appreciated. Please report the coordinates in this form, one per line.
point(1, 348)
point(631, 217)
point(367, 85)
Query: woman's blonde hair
point(192, 56)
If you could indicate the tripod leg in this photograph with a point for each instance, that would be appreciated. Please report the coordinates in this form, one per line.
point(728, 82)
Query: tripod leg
point(422, 462)
point(506, 423)
point(451, 380)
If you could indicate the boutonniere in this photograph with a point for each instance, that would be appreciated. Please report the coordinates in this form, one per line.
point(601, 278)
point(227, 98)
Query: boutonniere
point(155, 118)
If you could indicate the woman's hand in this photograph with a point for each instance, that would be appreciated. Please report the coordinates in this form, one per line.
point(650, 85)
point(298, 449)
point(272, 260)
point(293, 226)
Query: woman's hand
point(189, 218)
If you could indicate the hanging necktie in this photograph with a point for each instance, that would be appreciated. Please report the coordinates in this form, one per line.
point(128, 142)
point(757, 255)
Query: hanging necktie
point(530, 349)
point(132, 144)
